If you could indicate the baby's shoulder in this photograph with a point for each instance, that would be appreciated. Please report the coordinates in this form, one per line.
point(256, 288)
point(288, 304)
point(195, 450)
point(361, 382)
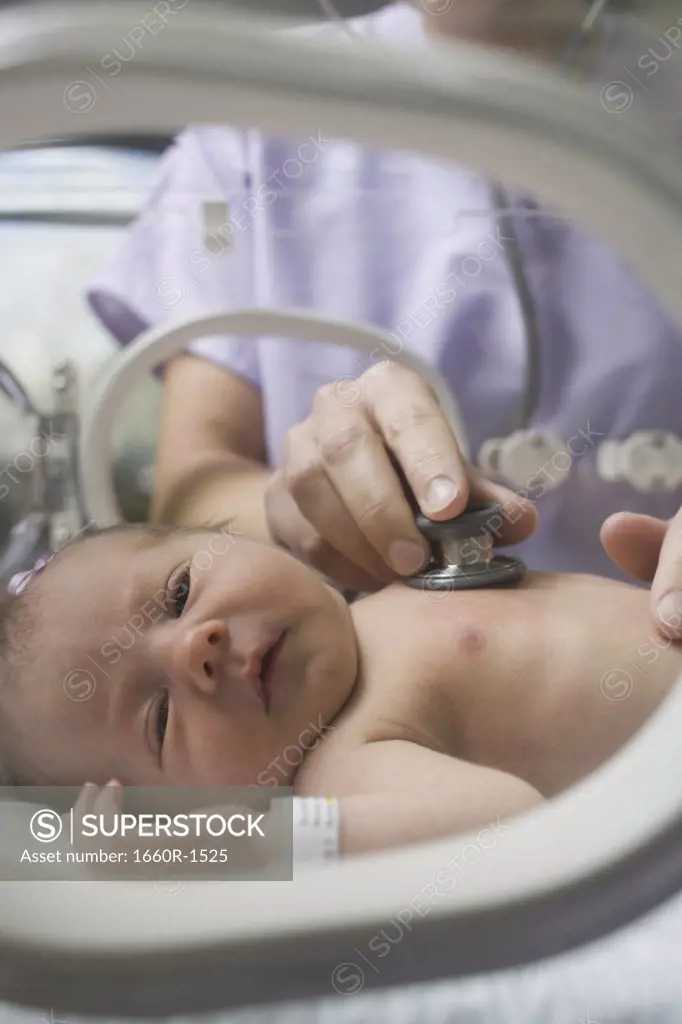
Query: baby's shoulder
point(322, 771)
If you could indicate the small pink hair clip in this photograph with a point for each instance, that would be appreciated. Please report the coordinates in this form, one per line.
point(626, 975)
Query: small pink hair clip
point(20, 580)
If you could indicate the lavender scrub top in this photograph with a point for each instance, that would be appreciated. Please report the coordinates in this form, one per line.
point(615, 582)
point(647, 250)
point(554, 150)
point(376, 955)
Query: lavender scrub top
point(412, 245)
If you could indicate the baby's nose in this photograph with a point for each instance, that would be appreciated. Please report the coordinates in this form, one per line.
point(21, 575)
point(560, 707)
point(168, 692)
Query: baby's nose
point(201, 654)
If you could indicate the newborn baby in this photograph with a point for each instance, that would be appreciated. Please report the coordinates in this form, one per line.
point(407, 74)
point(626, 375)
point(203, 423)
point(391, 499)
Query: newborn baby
point(206, 657)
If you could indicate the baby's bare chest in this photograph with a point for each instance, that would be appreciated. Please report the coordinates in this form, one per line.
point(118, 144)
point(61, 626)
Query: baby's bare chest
point(420, 661)
point(502, 678)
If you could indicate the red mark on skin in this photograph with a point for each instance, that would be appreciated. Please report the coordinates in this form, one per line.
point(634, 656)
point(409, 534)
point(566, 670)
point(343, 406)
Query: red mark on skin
point(472, 641)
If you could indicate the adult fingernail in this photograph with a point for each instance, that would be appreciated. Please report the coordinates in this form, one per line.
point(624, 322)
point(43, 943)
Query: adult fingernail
point(670, 613)
point(441, 493)
point(406, 557)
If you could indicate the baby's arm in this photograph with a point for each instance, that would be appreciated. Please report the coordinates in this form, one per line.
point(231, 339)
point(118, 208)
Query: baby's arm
point(392, 793)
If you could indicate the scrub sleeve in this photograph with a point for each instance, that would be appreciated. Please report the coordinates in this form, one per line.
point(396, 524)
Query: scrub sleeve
point(174, 264)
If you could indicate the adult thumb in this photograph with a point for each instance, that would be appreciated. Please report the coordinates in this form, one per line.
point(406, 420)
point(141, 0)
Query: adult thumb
point(634, 542)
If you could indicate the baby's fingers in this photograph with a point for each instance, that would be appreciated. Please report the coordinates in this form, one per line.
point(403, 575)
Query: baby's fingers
point(85, 804)
point(108, 803)
point(101, 802)
point(94, 831)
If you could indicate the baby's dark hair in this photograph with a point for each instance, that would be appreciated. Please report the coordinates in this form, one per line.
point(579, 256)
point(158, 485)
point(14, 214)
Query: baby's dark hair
point(20, 618)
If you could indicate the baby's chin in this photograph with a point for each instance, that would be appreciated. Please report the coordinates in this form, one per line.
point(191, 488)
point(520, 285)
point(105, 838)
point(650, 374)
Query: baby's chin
point(325, 655)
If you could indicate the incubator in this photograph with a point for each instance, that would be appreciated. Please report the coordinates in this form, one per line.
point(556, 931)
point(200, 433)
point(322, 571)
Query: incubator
point(557, 881)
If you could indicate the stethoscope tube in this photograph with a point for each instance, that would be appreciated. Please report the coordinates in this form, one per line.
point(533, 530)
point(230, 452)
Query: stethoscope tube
point(505, 211)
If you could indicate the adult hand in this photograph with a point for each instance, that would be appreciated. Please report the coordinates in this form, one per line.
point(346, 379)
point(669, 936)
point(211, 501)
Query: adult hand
point(338, 502)
point(651, 550)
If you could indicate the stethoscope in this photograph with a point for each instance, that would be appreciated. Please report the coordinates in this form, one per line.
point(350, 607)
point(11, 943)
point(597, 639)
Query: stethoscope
point(462, 555)
point(461, 550)
point(556, 881)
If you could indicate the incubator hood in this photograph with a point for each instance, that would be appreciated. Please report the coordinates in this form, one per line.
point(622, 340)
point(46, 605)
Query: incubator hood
point(592, 860)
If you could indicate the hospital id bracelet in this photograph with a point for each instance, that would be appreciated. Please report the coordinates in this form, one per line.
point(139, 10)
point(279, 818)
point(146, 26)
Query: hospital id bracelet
point(316, 829)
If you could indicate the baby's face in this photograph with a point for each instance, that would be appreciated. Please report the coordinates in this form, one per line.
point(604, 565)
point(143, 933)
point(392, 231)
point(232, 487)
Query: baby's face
point(197, 659)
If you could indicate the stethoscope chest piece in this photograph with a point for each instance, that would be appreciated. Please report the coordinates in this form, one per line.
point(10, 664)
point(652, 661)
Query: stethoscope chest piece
point(462, 552)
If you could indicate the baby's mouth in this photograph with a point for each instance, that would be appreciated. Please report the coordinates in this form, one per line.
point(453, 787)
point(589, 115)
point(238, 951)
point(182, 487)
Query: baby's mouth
point(267, 670)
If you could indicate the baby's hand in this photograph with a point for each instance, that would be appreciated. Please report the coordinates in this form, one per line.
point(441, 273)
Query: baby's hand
point(104, 801)
point(201, 848)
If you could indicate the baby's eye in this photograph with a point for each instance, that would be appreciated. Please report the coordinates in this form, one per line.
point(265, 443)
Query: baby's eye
point(162, 719)
point(179, 592)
